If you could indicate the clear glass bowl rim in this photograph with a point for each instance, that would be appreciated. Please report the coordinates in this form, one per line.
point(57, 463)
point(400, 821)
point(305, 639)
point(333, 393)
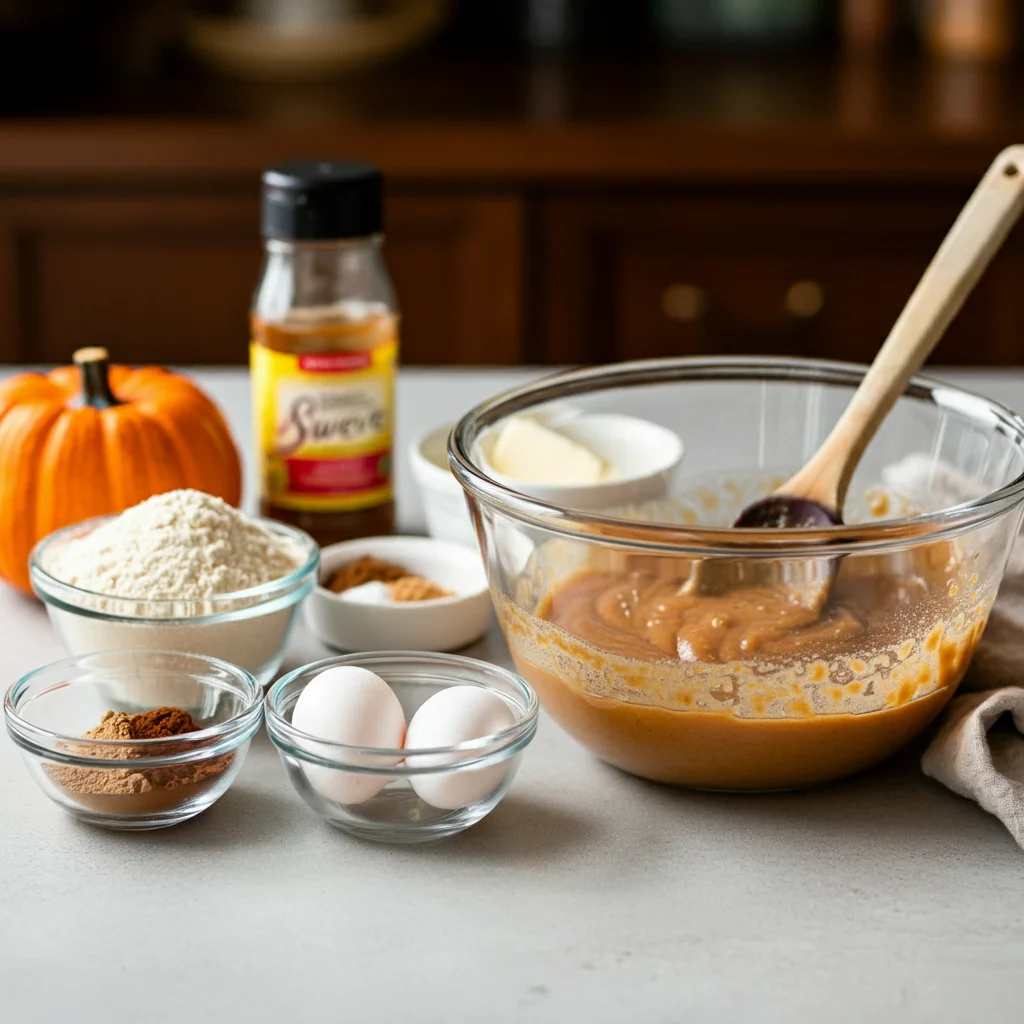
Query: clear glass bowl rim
point(726, 541)
point(491, 746)
point(228, 734)
point(67, 596)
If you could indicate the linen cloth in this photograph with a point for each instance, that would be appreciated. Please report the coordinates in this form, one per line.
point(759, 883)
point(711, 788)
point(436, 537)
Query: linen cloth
point(978, 751)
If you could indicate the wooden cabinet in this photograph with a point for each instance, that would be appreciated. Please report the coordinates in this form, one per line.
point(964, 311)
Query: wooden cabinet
point(168, 277)
point(554, 212)
point(163, 279)
point(458, 269)
point(509, 277)
point(774, 274)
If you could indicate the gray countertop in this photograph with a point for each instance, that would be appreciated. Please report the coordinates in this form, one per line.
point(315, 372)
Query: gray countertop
point(587, 895)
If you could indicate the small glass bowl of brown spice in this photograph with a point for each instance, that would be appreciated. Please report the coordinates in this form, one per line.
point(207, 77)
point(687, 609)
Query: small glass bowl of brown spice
point(134, 740)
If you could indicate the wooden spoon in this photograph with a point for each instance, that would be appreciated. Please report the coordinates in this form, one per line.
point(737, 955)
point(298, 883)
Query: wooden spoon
point(814, 496)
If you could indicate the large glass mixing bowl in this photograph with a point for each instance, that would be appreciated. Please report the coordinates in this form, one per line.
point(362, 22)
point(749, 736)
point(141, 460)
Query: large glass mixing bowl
point(684, 651)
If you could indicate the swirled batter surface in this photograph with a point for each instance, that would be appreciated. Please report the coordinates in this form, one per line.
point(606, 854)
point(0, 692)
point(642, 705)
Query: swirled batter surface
point(645, 617)
point(749, 689)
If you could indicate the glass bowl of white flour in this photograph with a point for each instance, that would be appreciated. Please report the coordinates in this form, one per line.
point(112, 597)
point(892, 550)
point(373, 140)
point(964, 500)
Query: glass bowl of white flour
point(182, 571)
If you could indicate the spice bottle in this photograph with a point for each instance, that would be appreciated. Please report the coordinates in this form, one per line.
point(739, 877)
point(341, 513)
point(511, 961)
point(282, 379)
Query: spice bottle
point(324, 351)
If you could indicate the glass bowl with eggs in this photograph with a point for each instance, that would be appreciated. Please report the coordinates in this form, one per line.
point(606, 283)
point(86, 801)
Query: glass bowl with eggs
point(401, 747)
point(684, 650)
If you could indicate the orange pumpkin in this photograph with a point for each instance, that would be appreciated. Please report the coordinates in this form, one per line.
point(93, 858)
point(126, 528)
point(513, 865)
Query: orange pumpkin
point(95, 439)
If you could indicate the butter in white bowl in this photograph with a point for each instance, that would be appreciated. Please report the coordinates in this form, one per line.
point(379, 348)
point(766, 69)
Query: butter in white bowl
point(525, 449)
point(581, 460)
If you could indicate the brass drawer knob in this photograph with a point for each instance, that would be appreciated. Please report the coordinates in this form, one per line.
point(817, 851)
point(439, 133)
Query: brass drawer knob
point(805, 299)
point(684, 303)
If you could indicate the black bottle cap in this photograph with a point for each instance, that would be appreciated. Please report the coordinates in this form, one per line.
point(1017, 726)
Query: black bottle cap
point(321, 199)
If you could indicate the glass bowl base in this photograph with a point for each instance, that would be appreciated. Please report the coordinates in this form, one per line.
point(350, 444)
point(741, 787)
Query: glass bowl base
point(117, 823)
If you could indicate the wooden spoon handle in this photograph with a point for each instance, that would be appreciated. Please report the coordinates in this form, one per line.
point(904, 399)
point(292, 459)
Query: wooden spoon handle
point(966, 251)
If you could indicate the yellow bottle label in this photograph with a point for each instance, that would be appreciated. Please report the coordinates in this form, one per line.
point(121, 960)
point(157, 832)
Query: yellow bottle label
point(324, 425)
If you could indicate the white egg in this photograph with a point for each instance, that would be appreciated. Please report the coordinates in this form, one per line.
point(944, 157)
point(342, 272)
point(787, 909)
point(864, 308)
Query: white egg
point(456, 715)
point(354, 706)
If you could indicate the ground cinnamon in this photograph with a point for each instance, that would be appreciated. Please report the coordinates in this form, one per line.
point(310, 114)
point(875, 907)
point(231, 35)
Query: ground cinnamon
point(89, 785)
point(161, 722)
point(402, 585)
point(366, 569)
point(114, 725)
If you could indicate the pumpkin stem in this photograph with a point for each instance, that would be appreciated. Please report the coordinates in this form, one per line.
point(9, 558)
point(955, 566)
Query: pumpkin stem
point(95, 366)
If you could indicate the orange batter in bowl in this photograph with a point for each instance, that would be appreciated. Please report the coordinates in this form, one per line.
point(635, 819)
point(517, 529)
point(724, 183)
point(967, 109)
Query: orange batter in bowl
point(748, 690)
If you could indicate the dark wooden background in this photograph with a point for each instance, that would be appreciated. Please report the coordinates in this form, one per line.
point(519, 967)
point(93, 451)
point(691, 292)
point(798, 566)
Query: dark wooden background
point(536, 212)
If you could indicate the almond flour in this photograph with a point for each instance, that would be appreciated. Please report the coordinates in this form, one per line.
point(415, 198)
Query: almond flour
point(179, 546)
point(156, 575)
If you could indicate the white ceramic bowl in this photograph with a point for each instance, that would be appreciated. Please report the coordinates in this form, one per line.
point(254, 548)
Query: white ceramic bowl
point(443, 624)
point(444, 501)
point(644, 454)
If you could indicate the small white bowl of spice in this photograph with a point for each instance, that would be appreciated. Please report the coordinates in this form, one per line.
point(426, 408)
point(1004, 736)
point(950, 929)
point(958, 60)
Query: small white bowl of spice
point(382, 593)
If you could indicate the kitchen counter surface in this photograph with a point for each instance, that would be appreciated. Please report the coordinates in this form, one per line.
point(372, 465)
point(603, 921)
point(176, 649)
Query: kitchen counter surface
point(588, 895)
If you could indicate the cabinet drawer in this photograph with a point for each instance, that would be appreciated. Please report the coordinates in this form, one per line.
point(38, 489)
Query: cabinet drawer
point(457, 265)
point(169, 279)
point(165, 279)
point(636, 278)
